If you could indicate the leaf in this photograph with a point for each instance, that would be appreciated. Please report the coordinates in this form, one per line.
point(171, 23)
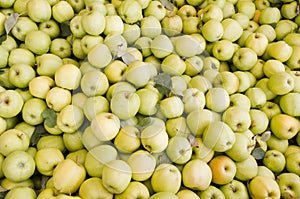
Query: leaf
point(3, 192)
point(50, 117)
point(265, 136)
point(258, 153)
point(39, 132)
point(193, 141)
point(65, 29)
point(163, 83)
point(10, 22)
point(3, 38)
point(142, 124)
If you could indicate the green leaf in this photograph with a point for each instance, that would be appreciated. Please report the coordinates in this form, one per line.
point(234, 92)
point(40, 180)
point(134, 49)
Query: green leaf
point(50, 117)
point(3, 192)
point(142, 124)
point(65, 29)
point(163, 83)
point(3, 38)
point(258, 153)
point(265, 136)
point(10, 22)
point(39, 132)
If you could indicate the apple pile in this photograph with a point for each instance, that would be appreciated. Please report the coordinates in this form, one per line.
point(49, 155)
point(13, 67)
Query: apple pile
point(149, 99)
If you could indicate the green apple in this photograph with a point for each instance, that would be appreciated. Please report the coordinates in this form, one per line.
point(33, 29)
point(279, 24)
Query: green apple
point(274, 160)
point(70, 118)
point(155, 8)
point(150, 26)
point(257, 97)
point(242, 19)
point(194, 44)
point(161, 46)
point(22, 27)
point(13, 140)
point(105, 126)
point(250, 165)
point(211, 192)
point(93, 22)
point(11, 103)
point(20, 75)
point(269, 15)
point(116, 176)
point(99, 61)
point(273, 66)
point(50, 27)
point(114, 24)
point(186, 193)
point(284, 27)
point(125, 105)
point(57, 98)
point(265, 171)
point(32, 111)
point(148, 101)
point(9, 184)
point(77, 5)
point(131, 33)
point(258, 42)
point(38, 42)
point(61, 47)
point(212, 30)
point(92, 188)
point(235, 189)
point(78, 156)
point(130, 11)
point(217, 99)
point(288, 130)
point(268, 31)
point(121, 86)
point(244, 58)
point(93, 105)
point(289, 185)
point(291, 149)
point(94, 83)
point(51, 141)
point(166, 178)
point(18, 166)
point(179, 150)
point(68, 83)
point(191, 25)
point(163, 195)
point(270, 109)
point(134, 190)
point(288, 104)
point(68, 176)
point(292, 61)
point(292, 163)
point(244, 80)
point(62, 11)
point(227, 80)
point(138, 73)
point(241, 101)
point(77, 49)
point(47, 64)
point(262, 187)
point(172, 25)
point(177, 127)
point(197, 175)
point(115, 71)
point(76, 26)
point(40, 85)
point(131, 135)
point(21, 192)
point(200, 82)
point(46, 160)
point(281, 83)
point(116, 43)
point(142, 165)
point(39, 10)
point(280, 50)
point(259, 121)
point(167, 107)
point(228, 25)
point(193, 99)
point(89, 41)
point(223, 169)
point(223, 50)
point(194, 65)
point(212, 11)
point(98, 157)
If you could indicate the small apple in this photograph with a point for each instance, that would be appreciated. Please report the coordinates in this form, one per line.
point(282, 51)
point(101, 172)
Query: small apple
point(193, 99)
point(50, 27)
point(21, 192)
point(93, 105)
point(235, 189)
point(250, 165)
point(211, 192)
point(131, 135)
point(259, 121)
point(93, 22)
point(11, 103)
point(289, 130)
point(244, 58)
point(289, 185)
point(92, 188)
point(164, 195)
point(274, 160)
point(194, 44)
point(70, 118)
point(57, 98)
point(212, 30)
point(186, 193)
point(172, 25)
point(227, 80)
point(38, 42)
point(39, 11)
point(179, 150)
point(200, 82)
point(257, 97)
point(167, 106)
point(280, 50)
point(51, 141)
point(47, 64)
point(150, 26)
point(223, 50)
point(130, 11)
point(32, 111)
point(161, 46)
point(78, 156)
point(217, 99)
point(261, 186)
point(288, 104)
point(292, 163)
point(223, 169)
point(228, 25)
point(281, 83)
point(13, 140)
point(148, 101)
point(62, 11)
point(61, 47)
point(265, 171)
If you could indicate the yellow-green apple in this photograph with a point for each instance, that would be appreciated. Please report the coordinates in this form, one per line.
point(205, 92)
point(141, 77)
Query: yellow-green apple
point(259, 121)
point(235, 189)
point(193, 99)
point(70, 118)
point(164, 195)
point(244, 80)
point(274, 160)
point(105, 126)
point(77, 156)
point(194, 44)
point(39, 10)
point(89, 41)
point(166, 178)
point(223, 169)
point(121, 86)
point(9, 184)
point(288, 130)
point(10, 43)
point(273, 66)
point(46, 160)
point(115, 71)
point(211, 192)
point(200, 151)
point(144, 45)
point(296, 76)
point(228, 25)
point(268, 31)
point(292, 149)
point(92, 188)
point(292, 61)
point(73, 141)
point(134, 190)
point(263, 84)
point(50, 27)
point(196, 175)
point(20, 75)
point(68, 176)
point(171, 107)
point(212, 30)
point(178, 83)
point(57, 98)
point(211, 11)
point(258, 42)
point(155, 8)
point(226, 80)
point(61, 47)
point(116, 176)
point(40, 85)
point(116, 43)
point(217, 99)
point(265, 171)
point(62, 11)
point(32, 111)
point(142, 164)
point(257, 97)
point(289, 184)
point(77, 5)
point(97, 157)
point(280, 145)
point(223, 50)
point(125, 105)
point(200, 82)
point(76, 26)
point(38, 42)
point(250, 165)
point(161, 46)
point(93, 105)
point(269, 15)
point(194, 65)
point(244, 58)
point(280, 50)
point(179, 150)
point(292, 163)
point(68, 83)
point(149, 99)
point(132, 136)
point(99, 61)
point(284, 27)
point(241, 149)
point(93, 22)
point(281, 83)
point(131, 33)
point(288, 103)
point(47, 64)
point(187, 10)
point(242, 19)
point(22, 27)
point(51, 141)
point(18, 166)
point(190, 25)
point(241, 101)
point(177, 126)
point(187, 193)
point(150, 26)
point(130, 11)
point(172, 25)
point(77, 49)
point(138, 73)
point(21, 192)
point(11, 103)
point(262, 187)
point(13, 140)
point(94, 83)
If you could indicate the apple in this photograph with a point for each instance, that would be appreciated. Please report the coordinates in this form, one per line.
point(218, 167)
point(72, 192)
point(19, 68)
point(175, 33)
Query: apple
point(50, 27)
point(223, 50)
point(150, 26)
point(194, 44)
point(268, 31)
point(40, 85)
point(200, 82)
point(155, 8)
point(167, 107)
point(78, 156)
point(47, 64)
point(9, 184)
point(235, 189)
point(119, 87)
point(292, 61)
point(194, 66)
point(21, 192)
point(70, 118)
point(193, 99)
point(92, 188)
point(94, 105)
point(142, 165)
point(265, 171)
point(130, 11)
point(57, 98)
point(161, 46)
point(11, 103)
point(138, 73)
point(68, 83)
point(217, 99)
point(190, 25)
point(166, 178)
point(288, 104)
point(292, 163)
point(62, 11)
point(250, 165)
point(148, 101)
point(228, 25)
point(244, 58)
point(18, 166)
point(179, 150)
point(284, 27)
point(239, 100)
point(288, 184)
point(51, 141)
point(46, 160)
point(280, 50)
point(261, 186)
point(131, 135)
point(257, 97)
point(172, 25)
point(263, 84)
point(60, 47)
point(22, 27)
point(116, 176)
point(289, 130)
point(32, 111)
point(223, 169)
point(284, 83)
point(38, 42)
point(197, 175)
point(39, 11)
point(274, 160)
point(89, 41)
point(212, 30)
point(177, 127)
point(271, 109)
point(94, 83)
point(20, 75)
point(76, 26)
point(211, 192)
point(93, 22)
point(259, 121)
point(97, 157)
point(68, 176)
point(227, 80)
point(242, 19)
point(163, 195)
point(131, 33)
point(186, 193)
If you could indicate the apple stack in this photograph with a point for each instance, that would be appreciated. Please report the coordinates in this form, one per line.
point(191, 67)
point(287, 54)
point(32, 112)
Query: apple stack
point(151, 99)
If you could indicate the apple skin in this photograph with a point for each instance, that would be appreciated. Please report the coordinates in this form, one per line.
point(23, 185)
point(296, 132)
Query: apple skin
point(289, 130)
point(241, 148)
point(250, 165)
point(179, 150)
point(11, 103)
point(292, 162)
point(235, 189)
point(238, 119)
point(288, 104)
point(92, 188)
point(211, 192)
point(289, 184)
point(261, 187)
point(21, 192)
point(38, 46)
point(32, 111)
point(39, 11)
